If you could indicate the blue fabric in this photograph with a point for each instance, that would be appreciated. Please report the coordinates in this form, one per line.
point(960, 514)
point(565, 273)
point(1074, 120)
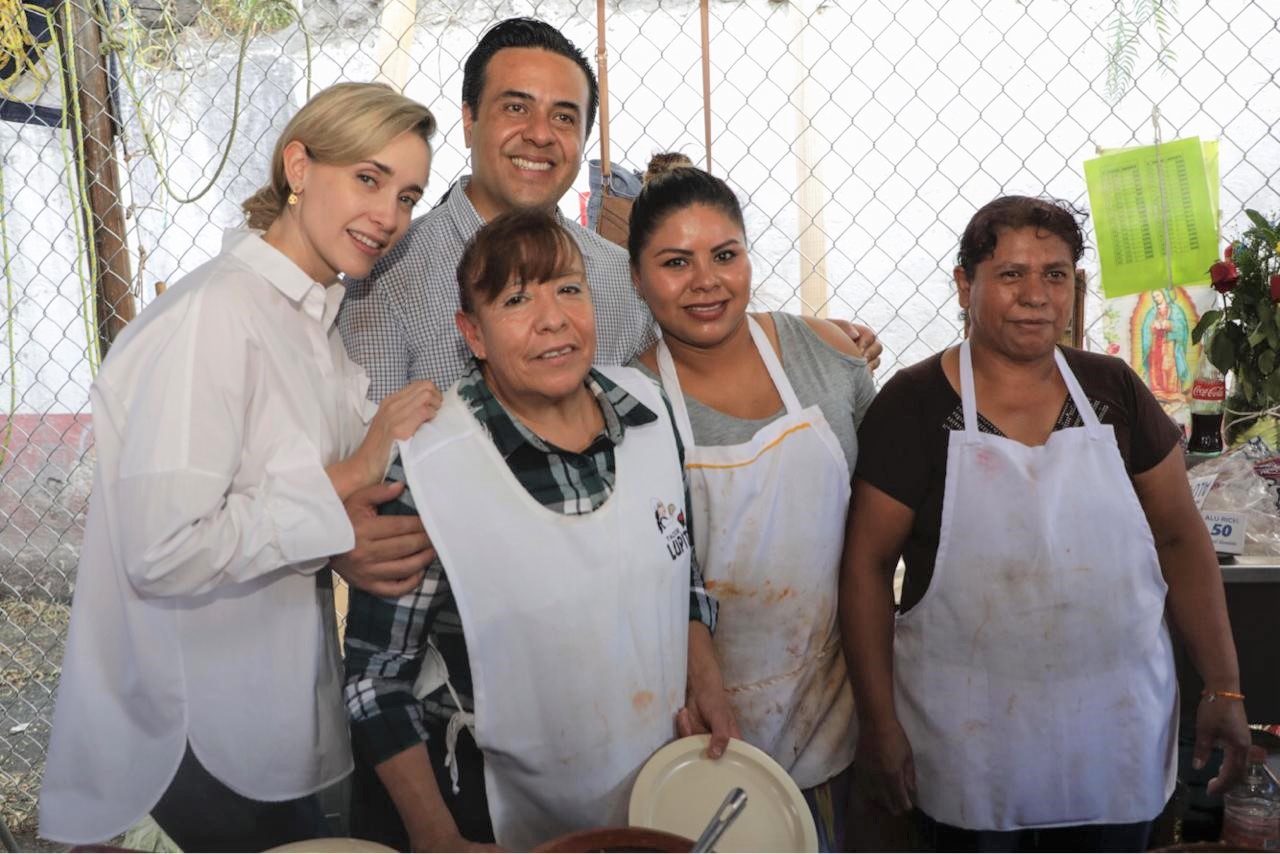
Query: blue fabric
point(623, 182)
point(828, 803)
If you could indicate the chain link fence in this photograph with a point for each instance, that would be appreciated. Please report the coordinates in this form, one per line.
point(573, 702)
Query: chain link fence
point(860, 136)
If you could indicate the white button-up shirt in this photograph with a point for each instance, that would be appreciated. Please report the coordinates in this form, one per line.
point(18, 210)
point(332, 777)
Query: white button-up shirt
point(198, 615)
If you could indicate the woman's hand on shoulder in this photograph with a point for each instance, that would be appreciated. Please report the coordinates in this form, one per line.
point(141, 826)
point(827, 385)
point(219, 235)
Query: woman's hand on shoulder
point(402, 413)
point(398, 417)
point(849, 338)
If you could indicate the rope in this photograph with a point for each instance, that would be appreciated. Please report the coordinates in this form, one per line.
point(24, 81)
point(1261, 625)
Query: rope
point(1164, 200)
point(77, 179)
point(19, 45)
point(1244, 415)
point(258, 9)
point(9, 321)
point(78, 188)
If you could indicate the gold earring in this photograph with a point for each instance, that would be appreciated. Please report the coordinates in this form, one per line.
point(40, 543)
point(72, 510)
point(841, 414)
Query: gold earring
point(293, 199)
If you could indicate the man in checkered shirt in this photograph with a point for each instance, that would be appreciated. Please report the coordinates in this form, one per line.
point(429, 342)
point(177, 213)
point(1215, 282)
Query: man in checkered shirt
point(399, 323)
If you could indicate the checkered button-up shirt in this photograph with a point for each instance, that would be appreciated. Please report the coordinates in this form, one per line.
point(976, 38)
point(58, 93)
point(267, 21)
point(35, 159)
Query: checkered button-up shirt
point(386, 638)
point(398, 324)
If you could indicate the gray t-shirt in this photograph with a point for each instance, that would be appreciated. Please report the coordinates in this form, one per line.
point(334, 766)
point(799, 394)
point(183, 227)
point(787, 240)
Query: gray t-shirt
point(841, 385)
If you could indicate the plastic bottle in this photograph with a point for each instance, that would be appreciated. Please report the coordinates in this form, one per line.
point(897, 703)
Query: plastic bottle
point(1251, 811)
point(1208, 395)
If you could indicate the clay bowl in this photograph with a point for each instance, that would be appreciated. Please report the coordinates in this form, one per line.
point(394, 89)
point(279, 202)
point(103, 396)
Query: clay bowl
point(1205, 846)
point(618, 839)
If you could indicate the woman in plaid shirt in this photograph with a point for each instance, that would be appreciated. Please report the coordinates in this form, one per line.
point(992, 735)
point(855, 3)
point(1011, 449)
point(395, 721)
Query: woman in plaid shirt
point(515, 697)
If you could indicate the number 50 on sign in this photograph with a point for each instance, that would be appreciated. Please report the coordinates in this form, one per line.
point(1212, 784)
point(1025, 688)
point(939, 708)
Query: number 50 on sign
point(1227, 532)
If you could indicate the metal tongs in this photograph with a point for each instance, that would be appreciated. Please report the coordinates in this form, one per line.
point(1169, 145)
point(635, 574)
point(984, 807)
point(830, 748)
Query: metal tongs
point(725, 816)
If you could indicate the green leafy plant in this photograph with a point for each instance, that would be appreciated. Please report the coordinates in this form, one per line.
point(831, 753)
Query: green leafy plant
point(233, 17)
point(1124, 32)
point(1244, 335)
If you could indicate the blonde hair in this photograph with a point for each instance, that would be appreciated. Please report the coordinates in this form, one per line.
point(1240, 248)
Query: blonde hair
point(342, 124)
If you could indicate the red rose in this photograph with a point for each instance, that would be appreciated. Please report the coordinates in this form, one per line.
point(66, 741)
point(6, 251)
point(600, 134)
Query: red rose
point(1231, 250)
point(1275, 287)
point(1224, 276)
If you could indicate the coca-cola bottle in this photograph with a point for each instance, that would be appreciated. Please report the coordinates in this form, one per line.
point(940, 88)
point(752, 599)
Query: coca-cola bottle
point(1208, 395)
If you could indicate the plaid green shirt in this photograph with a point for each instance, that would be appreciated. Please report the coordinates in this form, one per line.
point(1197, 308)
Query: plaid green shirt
point(386, 638)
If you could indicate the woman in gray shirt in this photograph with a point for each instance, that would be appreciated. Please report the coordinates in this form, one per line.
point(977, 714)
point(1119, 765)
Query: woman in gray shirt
point(768, 407)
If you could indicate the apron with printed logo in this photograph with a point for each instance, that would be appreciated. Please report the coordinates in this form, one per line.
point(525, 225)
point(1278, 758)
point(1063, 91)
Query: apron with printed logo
point(576, 627)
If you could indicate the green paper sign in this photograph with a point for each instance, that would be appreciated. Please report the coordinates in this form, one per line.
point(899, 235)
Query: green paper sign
point(1132, 213)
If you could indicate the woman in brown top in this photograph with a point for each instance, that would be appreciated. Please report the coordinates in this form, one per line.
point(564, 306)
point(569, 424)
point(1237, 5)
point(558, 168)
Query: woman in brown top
point(1025, 696)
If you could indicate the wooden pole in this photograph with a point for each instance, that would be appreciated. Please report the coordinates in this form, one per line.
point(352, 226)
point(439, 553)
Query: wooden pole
point(812, 195)
point(704, 22)
point(80, 38)
point(602, 108)
point(394, 51)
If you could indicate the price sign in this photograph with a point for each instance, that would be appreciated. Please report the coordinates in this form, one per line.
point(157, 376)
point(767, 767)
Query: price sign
point(1226, 530)
point(1200, 487)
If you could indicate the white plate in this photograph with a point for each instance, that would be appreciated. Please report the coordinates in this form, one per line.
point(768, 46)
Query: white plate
point(679, 790)
point(333, 845)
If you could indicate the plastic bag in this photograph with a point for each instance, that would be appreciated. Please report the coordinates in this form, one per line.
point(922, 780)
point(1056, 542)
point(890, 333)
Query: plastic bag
point(1245, 480)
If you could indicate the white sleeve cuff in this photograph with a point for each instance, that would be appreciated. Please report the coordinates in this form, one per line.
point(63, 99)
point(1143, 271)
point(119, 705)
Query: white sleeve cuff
point(309, 521)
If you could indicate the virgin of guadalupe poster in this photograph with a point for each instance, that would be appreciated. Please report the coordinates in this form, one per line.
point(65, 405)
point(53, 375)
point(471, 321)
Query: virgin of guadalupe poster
point(1160, 335)
point(1152, 332)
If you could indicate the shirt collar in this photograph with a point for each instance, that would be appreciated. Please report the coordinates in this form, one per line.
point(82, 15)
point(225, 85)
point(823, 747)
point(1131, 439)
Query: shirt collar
point(460, 208)
point(469, 221)
point(620, 409)
point(320, 303)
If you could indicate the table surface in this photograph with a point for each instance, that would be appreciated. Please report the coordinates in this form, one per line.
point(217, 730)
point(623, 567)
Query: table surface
point(1251, 569)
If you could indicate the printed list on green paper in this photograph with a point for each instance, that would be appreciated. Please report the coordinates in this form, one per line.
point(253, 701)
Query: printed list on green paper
point(1130, 210)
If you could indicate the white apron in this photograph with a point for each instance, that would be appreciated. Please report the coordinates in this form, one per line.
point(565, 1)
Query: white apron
point(576, 627)
point(1035, 678)
point(769, 520)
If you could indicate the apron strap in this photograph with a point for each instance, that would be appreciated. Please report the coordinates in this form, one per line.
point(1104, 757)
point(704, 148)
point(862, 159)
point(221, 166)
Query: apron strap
point(774, 365)
point(457, 721)
point(671, 384)
point(969, 401)
point(1087, 415)
point(434, 673)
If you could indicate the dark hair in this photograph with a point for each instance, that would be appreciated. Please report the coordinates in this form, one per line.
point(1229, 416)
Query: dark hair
point(524, 245)
point(1059, 218)
point(523, 32)
point(671, 187)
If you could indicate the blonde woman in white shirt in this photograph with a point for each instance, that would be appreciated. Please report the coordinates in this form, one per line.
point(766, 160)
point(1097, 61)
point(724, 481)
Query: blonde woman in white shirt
point(201, 677)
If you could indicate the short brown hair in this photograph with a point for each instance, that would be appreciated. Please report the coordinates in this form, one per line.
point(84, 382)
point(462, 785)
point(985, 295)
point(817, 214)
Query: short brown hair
point(1059, 218)
point(523, 245)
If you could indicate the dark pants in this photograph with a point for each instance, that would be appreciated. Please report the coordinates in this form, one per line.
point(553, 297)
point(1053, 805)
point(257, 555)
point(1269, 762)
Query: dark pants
point(201, 814)
point(374, 815)
point(1086, 837)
